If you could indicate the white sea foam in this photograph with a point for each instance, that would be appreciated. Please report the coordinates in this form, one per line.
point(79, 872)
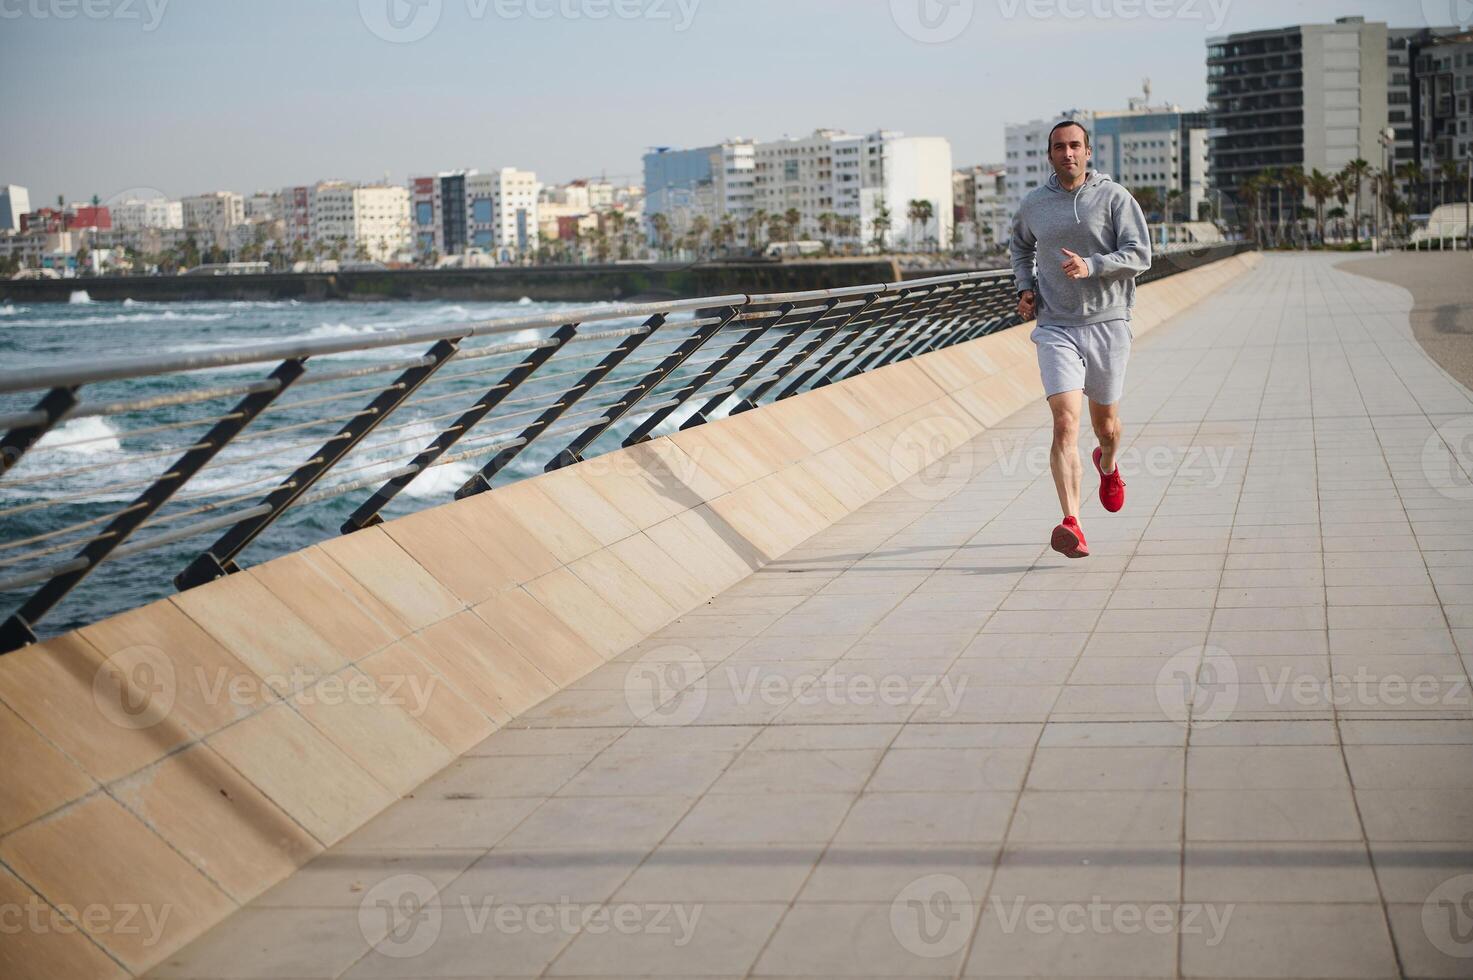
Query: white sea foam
point(95, 436)
point(79, 296)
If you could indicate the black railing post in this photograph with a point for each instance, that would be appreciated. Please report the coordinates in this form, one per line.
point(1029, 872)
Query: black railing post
point(219, 559)
point(750, 402)
point(19, 629)
point(54, 404)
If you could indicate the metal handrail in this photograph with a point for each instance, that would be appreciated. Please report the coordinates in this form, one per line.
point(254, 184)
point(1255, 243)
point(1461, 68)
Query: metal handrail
point(598, 382)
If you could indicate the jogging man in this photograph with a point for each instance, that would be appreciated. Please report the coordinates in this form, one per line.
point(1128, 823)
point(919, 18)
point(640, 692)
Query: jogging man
point(1078, 243)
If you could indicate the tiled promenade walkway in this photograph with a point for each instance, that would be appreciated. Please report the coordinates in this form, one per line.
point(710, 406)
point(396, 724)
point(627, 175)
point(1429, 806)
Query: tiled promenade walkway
point(925, 745)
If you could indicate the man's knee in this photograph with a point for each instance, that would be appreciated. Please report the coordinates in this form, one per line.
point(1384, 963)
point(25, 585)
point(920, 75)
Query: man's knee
point(1107, 430)
point(1066, 428)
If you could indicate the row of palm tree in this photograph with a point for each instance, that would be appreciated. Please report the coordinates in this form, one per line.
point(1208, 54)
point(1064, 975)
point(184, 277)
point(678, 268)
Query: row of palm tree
point(1274, 191)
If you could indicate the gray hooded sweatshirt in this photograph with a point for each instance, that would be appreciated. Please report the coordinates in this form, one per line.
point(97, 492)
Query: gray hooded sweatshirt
point(1100, 222)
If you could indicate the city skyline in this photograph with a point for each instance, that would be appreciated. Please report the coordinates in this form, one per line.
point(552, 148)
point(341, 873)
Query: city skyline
point(292, 118)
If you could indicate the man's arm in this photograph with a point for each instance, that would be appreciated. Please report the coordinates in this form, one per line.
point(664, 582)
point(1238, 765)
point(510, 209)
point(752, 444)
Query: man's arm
point(1023, 249)
point(1134, 254)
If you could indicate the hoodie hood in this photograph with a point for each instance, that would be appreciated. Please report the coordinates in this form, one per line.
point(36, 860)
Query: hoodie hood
point(1092, 179)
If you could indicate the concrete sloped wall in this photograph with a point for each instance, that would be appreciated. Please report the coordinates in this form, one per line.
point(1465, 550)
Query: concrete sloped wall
point(164, 766)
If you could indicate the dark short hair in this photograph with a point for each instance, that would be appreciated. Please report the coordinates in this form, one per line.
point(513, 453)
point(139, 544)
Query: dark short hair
point(1060, 125)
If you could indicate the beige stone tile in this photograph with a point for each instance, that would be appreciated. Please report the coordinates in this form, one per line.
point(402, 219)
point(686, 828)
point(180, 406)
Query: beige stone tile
point(570, 599)
point(51, 686)
point(374, 728)
point(302, 772)
point(1103, 816)
point(618, 585)
point(55, 950)
point(543, 639)
point(483, 665)
point(178, 670)
point(1293, 940)
point(38, 777)
point(269, 943)
point(436, 703)
point(96, 852)
point(547, 522)
point(450, 545)
point(212, 815)
point(721, 873)
point(669, 577)
point(586, 506)
point(331, 602)
point(286, 657)
point(394, 578)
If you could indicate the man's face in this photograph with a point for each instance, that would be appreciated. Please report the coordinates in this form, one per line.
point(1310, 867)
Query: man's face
point(1067, 152)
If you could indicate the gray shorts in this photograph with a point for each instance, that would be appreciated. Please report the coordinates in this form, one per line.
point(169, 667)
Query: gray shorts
point(1091, 357)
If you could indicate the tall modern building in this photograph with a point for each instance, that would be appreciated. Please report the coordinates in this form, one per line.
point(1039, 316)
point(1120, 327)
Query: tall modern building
point(1160, 147)
point(1026, 148)
point(14, 202)
point(1311, 96)
point(370, 221)
point(1443, 115)
point(455, 211)
point(830, 177)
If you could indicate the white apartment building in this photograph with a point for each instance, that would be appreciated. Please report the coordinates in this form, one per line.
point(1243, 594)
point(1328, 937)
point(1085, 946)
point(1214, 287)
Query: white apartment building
point(214, 215)
point(1026, 152)
point(14, 202)
point(263, 204)
point(981, 207)
point(857, 178)
point(711, 182)
point(501, 211)
point(371, 220)
point(136, 215)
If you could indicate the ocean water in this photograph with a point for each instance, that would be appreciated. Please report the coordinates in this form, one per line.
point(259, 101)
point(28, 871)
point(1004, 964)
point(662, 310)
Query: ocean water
point(90, 467)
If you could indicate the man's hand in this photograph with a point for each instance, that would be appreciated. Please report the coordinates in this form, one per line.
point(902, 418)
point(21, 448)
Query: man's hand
point(1027, 304)
point(1074, 266)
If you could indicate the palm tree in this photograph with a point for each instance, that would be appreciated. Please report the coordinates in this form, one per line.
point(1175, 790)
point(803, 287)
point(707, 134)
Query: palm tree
point(660, 224)
point(1148, 198)
point(699, 226)
point(792, 217)
point(1410, 174)
point(1320, 187)
point(881, 225)
point(1294, 181)
point(755, 223)
point(919, 212)
point(1355, 174)
point(1447, 173)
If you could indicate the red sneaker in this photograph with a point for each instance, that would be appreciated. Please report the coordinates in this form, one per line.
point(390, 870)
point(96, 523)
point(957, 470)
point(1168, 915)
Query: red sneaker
point(1112, 488)
point(1068, 540)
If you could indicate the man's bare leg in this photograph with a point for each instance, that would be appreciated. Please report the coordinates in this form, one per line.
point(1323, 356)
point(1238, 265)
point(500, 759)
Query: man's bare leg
point(1064, 457)
point(1106, 422)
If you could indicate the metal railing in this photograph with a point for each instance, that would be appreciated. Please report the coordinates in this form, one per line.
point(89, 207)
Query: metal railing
point(233, 442)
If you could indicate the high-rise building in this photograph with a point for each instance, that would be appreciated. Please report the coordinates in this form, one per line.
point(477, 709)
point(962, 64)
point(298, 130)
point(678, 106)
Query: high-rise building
point(359, 222)
point(1312, 96)
point(1443, 118)
point(14, 202)
point(137, 215)
point(1025, 147)
point(711, 182)
point(455, 211)
point(1159, 147)
point(213, 215)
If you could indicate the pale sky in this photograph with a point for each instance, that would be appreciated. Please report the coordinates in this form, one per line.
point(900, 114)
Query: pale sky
point(185, 96)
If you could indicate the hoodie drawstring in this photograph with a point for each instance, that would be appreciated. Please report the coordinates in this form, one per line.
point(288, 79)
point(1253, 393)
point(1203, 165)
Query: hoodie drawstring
point(1076, 194)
